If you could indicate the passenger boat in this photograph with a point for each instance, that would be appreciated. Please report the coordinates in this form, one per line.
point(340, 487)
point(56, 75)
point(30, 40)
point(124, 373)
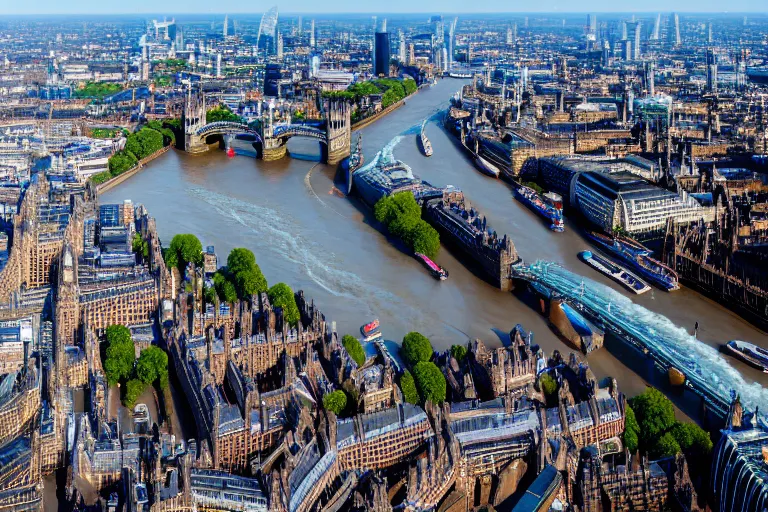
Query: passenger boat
point(749, 353)
point(487, 167)
point(637, 257)
point(615, 272)
point(370, 331)
point(426, 146)
point(549, 206)
point(230, 152)
point(436, 270)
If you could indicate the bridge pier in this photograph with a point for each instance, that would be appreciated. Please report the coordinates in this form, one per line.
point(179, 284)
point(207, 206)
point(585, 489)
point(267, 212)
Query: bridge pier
point(338, 132)
point(273, 149)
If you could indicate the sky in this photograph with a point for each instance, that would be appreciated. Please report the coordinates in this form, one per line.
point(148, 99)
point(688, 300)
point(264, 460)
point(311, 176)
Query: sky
point(369, 6)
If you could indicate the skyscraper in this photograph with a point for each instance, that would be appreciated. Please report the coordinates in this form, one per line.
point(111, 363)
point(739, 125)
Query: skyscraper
point(268, 30)
point(381, 55)
point(636, 45)
point(711, 70)
point(301, 27)
point(226, 26)
point(401, 50)
point(676, 19)
point(592, 24)
point(656, 28)
point(312, 34)
point(279, 46)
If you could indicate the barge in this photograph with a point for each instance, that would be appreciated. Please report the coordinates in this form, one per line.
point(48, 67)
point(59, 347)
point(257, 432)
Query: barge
point(371, 331)
point(751, 354)
point(462, 226)
point(615, 272)
point(435, 270)
point(549, 206)
point(487, 167)
point(638, 258)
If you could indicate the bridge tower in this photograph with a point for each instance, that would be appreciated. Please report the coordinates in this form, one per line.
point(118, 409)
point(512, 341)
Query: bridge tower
point(193, 118)
point(338, 131)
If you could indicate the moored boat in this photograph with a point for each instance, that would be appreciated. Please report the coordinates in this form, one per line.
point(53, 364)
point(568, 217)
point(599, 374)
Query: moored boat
point(615, 272)
point(638, 259)
point(436, 270)
point(487, 167)
point(549, 206)
point(751, 354)
point(370, 331)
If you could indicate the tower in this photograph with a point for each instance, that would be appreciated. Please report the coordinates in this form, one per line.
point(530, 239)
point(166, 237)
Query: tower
point(711, 71)
point(636, 44)
point(226, 26)
point(193, 118)
point(381, 51)
point(338, 131)
point(656, 28)
point(312, 34)
point(279, 46)
point(677, 29)
point(401, 50)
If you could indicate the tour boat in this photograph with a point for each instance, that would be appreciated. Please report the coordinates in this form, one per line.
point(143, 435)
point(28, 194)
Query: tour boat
point(370, 331)
point(549, 206)
point(230, 152)
point(615, 272)
point(436, 270)
point(637, 257)
point(749, 353)
point(425, 144)
point(487, 167)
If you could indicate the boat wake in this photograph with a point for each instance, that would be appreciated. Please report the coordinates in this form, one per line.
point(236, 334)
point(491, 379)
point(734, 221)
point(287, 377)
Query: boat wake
point(702, 364)
point(286, 238)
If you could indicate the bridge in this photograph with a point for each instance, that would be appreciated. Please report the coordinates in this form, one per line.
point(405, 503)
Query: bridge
point(271, 138)
point(707, 373)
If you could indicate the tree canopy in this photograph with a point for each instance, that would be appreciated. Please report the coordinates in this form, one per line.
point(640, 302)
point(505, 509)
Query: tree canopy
point(133, 390)
point(459, 352)
point(152, 366)
point(655, 414)
point(408, 387)
point(120, 354)
point(244, 274)
point(222, 113)
point(631, 430)
point(430, 382)
point(416, 348)
point(184, 248)
point(401, 214)
point(281, 295)
point(335, 401)
point(354, 349)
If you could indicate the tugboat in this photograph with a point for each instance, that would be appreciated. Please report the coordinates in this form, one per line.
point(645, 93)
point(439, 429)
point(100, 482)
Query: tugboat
point(436, 270)
point(637, 257)
point(615, 272)
point(370, 331)
point(751, 354)
point(549, 206)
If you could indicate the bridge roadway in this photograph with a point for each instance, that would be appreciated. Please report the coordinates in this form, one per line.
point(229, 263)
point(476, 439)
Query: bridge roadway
point(707, 373)
point(282, 131)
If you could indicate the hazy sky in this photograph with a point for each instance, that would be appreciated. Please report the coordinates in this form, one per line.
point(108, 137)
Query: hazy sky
point(390, 6)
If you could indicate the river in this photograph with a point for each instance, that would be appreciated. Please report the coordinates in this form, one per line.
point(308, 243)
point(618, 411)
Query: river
point(306, 233)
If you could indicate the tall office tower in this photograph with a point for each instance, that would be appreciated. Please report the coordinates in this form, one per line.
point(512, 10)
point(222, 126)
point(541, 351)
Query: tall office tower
point(218, 65)
point(381, 54)
point(677, 29)
point(624, 31)
point(711, 70)
point(312, 34)
point(226, 25)
point(627, 50)
point(514, 32)
point(267, 36)
point(401, 49)
point(650, 80)
point(656, 28)
point(451, 41)
point(301, 26)
point(709, 32)
point(592, 24)
point(179, 38)
point(411, 54)
point(509, 35)
point(279, 46)
point(636, 44)
point(525, 22)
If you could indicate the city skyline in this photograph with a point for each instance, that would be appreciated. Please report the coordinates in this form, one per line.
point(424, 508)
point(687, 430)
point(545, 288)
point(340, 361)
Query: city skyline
point(394, 7)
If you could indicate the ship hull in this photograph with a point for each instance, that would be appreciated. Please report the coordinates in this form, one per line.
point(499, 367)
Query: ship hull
point(741, 356)
point(556, 223)
point(620, 275)
point(635, 265)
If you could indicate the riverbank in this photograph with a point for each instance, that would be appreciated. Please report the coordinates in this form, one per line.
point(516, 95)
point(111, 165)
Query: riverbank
point(378, 115)
point(113, 182)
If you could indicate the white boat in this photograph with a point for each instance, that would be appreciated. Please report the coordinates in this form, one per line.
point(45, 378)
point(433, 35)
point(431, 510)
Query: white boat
point(487, 167)
point(615, 272)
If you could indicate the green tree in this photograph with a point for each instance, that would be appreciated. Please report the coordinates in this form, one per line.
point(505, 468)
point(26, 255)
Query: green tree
point(184, 249)
point(140, 246)
point(335, 401)
point(693, 439)
point(133, 390)
point(548, 385)
point(354, 349)
point(408, 387)
point(665, 446)
point(430, 382)
point(459, 352)
point(655, 414)
point(152, 365)
point(227, 292)
point(401, 214)
point(239, 260)
point(281, 295)
point(410, 86)
point(416, 348)
point(250, 282)
point(631, 430)
point(424, 239)
point(222, 113)
point(120, 354)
